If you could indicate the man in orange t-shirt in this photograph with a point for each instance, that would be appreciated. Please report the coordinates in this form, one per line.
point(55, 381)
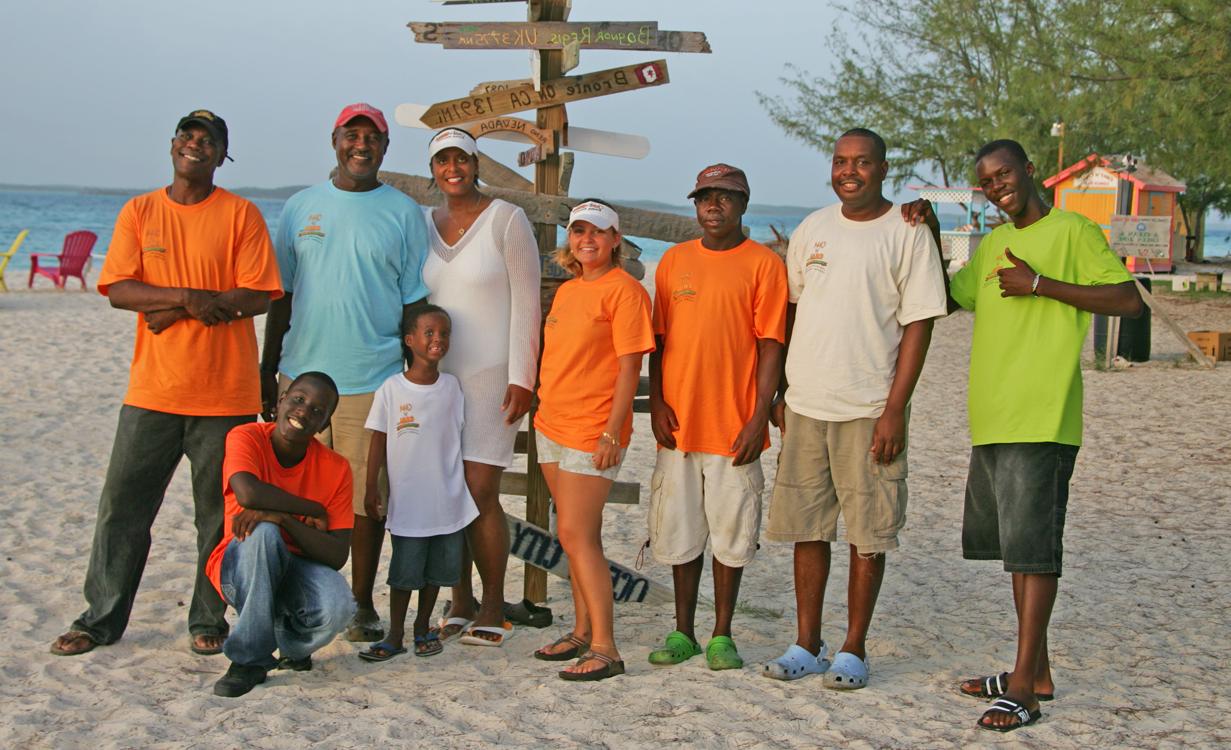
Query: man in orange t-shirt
point(719, 320)
point(288, 528)
point(195, 263)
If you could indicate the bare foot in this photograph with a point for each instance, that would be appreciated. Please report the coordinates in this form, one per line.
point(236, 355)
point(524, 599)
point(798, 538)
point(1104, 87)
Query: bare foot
point(206, 644)
point(1005, 721)
point(72, 643)
point(584, 664)
point(571, 642)
point(976, 687)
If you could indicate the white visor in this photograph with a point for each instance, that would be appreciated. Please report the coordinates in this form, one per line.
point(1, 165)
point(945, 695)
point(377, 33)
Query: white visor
point(452, 138)
point(597, 214)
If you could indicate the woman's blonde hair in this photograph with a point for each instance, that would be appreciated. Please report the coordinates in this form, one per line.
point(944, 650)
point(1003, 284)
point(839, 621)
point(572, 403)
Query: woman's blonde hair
point(564, 256)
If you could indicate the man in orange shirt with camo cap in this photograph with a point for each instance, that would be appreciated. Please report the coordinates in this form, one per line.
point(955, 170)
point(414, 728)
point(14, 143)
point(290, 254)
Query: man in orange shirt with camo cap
point(719, 322)
point(195, 263)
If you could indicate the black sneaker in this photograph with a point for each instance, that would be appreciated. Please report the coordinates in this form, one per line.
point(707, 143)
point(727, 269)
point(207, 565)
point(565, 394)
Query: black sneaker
point(297, 665)
point(239, 680)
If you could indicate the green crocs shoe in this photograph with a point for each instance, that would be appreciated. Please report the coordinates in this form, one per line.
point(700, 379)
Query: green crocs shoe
point(720, 653)
point(678, 648)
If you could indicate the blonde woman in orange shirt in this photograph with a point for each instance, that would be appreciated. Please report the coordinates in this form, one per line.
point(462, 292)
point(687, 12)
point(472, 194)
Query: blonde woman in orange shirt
point(594, 338)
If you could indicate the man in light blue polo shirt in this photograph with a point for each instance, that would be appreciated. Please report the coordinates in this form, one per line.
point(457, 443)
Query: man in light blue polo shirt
point(351, 252)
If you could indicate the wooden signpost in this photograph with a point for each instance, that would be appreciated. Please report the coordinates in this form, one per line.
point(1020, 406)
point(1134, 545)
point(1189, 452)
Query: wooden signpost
point(554, 92)
point(604, 142)
point(488, 87)
point(556, 46)
point(627, 35)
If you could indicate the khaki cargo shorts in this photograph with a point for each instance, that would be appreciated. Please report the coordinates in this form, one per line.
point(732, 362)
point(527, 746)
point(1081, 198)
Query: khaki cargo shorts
point(825, 468)
point(699, 497)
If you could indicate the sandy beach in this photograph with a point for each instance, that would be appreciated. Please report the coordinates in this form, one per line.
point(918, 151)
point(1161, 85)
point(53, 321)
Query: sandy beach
point(1139, 635)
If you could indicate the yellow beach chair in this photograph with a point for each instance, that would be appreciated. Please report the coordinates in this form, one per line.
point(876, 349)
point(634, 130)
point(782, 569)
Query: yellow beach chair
point(6, 257)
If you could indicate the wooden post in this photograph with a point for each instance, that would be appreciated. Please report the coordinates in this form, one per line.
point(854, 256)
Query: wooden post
point(546, 181)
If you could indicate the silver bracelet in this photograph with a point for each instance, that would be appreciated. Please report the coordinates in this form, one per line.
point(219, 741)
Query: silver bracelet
point(1034, 286)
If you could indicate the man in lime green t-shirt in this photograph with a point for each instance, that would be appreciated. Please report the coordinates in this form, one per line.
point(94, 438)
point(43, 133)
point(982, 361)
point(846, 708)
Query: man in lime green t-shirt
point(1032, 286)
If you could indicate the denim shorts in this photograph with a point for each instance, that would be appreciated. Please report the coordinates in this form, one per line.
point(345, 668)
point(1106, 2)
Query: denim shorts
point(420, 561)
point(1016, 498)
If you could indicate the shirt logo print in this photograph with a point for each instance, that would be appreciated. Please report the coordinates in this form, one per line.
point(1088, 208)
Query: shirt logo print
point(685, 292)
point(313, 227)
point(152, 241)
point(816, 259)
point(993, 277)
point(406, 420)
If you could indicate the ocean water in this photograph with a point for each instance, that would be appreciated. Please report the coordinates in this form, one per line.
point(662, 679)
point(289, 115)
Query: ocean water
point(49, 215)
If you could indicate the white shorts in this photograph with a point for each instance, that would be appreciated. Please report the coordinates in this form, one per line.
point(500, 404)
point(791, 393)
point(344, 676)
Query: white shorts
point(700, 496)
point(571, 459)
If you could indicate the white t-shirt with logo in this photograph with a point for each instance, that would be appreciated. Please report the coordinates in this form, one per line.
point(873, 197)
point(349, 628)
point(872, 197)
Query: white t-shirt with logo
point(857, 284)
point(423, 453)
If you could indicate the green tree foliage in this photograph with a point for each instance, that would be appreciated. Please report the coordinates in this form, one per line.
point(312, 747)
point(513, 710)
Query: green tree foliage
point(938, 78)
point(1163, 70)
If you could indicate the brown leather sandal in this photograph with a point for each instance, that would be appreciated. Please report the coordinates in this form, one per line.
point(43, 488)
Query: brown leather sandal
point(578, 646)
point(610, 668)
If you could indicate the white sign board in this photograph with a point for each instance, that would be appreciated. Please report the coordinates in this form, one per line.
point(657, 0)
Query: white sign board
point(1098, 178)
point(1141, 236)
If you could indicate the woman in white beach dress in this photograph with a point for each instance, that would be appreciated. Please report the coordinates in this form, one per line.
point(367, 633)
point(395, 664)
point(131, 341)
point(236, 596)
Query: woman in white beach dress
point(484, 269)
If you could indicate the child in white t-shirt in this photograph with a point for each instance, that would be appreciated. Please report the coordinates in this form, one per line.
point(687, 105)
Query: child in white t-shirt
point(416, 423)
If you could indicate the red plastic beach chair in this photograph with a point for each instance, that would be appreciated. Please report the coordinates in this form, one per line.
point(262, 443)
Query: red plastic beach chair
point(72, 259)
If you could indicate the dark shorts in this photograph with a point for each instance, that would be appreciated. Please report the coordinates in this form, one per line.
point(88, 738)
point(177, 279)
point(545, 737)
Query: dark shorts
point(420, 561)
point(1016, 497)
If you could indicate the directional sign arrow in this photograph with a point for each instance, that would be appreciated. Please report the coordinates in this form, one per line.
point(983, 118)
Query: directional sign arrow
point(553, 92)
point(629, 35)
point(590, 141)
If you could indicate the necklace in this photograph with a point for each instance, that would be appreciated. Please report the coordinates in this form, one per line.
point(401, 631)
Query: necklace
point(461, 230)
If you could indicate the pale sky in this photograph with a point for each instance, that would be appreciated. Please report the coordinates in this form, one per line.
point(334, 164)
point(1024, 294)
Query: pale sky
point(92, 90)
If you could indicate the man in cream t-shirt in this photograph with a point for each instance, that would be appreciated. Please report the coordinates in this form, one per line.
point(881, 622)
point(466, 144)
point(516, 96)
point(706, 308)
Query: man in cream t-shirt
point(864, 288)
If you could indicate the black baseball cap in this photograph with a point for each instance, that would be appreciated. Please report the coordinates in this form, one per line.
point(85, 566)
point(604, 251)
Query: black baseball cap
point(215, 125)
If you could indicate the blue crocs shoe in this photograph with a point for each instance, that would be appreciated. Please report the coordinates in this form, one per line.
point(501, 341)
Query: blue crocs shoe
point(848, 672)
point(797, 662)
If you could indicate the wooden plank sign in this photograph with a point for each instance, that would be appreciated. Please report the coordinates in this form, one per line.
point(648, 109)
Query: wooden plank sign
point(629, 35)
point(488, 87)
point(532, 156)
point(525, 128)
point(557, 91)
point(538, 547)
point(606, 142)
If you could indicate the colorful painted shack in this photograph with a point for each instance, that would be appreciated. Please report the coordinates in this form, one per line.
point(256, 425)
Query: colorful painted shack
point(1100, 187)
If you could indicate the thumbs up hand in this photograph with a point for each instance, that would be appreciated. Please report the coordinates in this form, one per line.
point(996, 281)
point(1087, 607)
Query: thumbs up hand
point(1016, 280)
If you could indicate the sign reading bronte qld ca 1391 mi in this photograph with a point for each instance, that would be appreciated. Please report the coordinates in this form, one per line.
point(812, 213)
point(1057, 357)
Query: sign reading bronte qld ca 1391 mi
point(631, 35)
point(557, 91)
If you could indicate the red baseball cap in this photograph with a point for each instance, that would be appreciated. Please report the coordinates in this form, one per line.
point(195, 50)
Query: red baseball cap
point(360, 109)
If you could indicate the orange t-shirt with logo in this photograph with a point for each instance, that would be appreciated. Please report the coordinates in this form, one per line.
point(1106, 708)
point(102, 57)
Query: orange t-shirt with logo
point(218, 244)
point(591, 325)
point(710, 307)
point(323, 476)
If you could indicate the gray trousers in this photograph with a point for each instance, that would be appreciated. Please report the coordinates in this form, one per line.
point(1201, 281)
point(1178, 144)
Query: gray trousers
point(148, 447)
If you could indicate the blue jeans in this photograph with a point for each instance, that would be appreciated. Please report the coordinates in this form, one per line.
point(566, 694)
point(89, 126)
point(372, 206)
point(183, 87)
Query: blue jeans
point(148, 447)
point(284, 601)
